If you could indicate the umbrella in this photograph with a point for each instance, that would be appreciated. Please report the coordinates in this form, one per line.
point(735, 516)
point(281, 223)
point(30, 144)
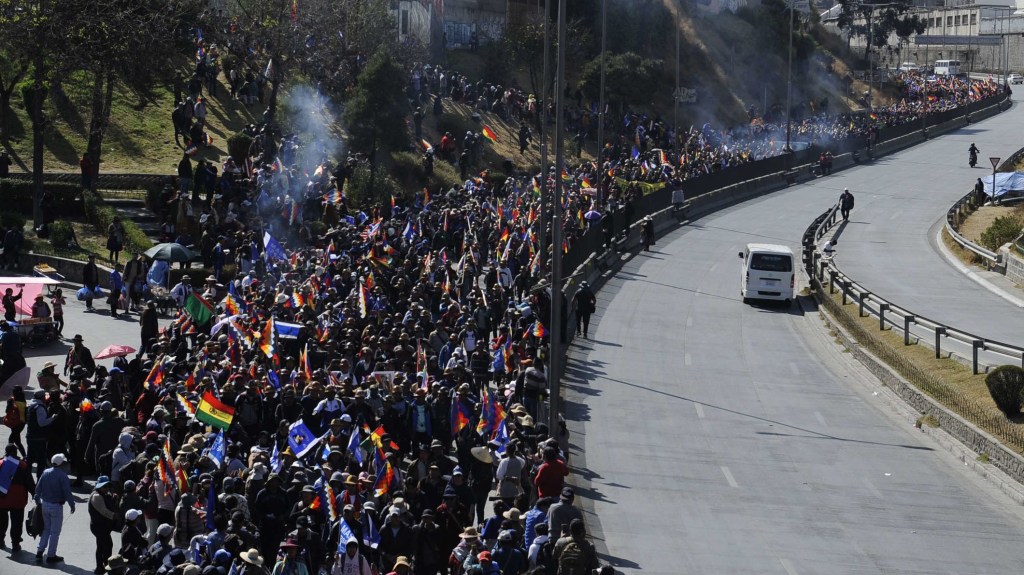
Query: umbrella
point(172, 252)
point(114, 351)
point(592, 216)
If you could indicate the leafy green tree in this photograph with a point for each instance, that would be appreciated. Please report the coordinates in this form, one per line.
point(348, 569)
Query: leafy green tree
point(862, 19)
point(628, 78)
point(375, 113)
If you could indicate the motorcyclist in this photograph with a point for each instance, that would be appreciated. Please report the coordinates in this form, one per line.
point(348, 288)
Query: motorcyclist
point(973, 151)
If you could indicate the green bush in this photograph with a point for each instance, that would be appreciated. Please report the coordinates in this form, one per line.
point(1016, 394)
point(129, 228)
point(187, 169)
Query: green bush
point(1004, 229)
point(1005, 384)
point(16, 196)
point(409, 174)
point(357, 188)
point(238, 147)
point(445, 176)
point(61, 234)
point(100, 215)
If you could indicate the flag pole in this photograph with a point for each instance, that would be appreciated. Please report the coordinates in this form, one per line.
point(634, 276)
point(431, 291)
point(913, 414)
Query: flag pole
point(555, 333)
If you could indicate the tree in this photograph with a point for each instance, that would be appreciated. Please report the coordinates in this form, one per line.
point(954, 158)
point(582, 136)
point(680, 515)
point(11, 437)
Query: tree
point(375, 114)
point(876, 21)
point(628, 78)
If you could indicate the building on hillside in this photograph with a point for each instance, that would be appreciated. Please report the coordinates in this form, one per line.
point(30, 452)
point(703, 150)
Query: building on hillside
point(983, 37)
point(471, 23)
point(420, 22)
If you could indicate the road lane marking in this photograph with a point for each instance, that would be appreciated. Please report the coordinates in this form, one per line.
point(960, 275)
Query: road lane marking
point(700, 409)
point(821, 418)
point(686, 359)
point(787, 566)
point(729, 477)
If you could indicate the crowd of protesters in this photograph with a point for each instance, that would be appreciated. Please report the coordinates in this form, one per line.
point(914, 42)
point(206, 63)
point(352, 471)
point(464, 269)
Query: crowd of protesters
point(366, 393)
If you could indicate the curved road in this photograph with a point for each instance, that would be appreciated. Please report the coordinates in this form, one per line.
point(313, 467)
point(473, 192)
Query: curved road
point(724, 438)
point(889, 245)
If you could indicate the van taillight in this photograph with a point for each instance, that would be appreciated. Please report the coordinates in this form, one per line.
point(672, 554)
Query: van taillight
point(792, 281)
point(748, 276)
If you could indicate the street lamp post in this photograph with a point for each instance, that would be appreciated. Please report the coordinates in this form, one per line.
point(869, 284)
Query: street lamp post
point(600, 111)
point(789, 78)
point(542, 249)
point(555, 333)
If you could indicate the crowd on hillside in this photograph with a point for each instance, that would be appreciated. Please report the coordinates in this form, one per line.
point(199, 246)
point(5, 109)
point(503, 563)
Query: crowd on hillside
point(366, 394)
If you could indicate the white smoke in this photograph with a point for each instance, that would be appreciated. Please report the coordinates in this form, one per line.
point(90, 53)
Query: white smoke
point(313, 117)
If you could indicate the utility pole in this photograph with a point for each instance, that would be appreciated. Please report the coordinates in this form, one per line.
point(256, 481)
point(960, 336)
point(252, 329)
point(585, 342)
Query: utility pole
point(675, 95)
point(555, 333)
point(542, 249)
point(601, 104)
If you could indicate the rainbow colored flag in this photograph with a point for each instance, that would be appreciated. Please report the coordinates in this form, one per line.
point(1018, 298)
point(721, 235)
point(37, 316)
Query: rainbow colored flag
point(460, 416)
point(231, 306)
point(156, 375)
point(267, 338)
point(537, 330)
point(186, 405)
point(384, 480)
point(363, 307)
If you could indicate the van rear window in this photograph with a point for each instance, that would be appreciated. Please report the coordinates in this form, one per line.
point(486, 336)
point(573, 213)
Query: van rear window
point(771, 262)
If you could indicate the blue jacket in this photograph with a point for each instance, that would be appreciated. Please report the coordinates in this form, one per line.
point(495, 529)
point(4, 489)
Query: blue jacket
point(116, 282)
point(55, 487)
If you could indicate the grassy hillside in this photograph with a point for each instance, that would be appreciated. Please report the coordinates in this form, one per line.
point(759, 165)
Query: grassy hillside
point(140, 138)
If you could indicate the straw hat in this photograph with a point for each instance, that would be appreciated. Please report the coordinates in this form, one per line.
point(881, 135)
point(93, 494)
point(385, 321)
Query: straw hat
point(482, 454)
point(469, 533)
point(252, 557)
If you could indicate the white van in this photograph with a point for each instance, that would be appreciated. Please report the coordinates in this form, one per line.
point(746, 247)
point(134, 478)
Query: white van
point(767, 273)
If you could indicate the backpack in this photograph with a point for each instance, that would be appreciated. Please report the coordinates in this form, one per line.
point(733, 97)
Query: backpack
point(12, 418)
point(573, 560)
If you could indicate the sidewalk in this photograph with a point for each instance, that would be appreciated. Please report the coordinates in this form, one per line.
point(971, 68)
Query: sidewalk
point(994, 282)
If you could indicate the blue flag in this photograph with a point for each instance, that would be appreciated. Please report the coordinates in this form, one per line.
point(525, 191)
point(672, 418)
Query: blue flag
point(211, 506)
point(217, 450)
point(7, 470)
point(301, 439)
point(371, 536)
point(274, 379)
point(273, 249)
point(275, 459)
point(498, 365)
point(345, 534)
point(635, 154)
point(326, 451)
point(353, 446)
point(501, 437)
point(350, 220)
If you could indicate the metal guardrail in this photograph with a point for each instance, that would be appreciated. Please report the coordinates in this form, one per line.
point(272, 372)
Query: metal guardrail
point(953, 217)
point(824, 270)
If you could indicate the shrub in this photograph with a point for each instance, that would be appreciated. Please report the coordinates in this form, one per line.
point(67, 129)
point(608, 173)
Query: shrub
point(61, 234)
point(17, 196)
point(100, 215)
point(457, 124)
point(238, 146)
point(1005, 384)
point(1004, 229)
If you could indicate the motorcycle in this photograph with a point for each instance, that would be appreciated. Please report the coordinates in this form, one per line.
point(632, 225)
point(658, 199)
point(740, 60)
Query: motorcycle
point(974, 159)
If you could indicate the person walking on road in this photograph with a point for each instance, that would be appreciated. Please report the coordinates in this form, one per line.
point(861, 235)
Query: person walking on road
point(38, 419)
point(52, 493)
point(846, 204)
point(586, 303)
point(103, 515)
point(18, 485)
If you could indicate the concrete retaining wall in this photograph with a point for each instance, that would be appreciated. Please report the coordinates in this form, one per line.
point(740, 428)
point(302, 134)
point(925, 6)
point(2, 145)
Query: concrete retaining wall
point(1014, 266)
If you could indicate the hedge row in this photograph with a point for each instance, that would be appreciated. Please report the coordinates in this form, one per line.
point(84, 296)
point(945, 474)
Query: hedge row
point(16, 196)
point(100, 215)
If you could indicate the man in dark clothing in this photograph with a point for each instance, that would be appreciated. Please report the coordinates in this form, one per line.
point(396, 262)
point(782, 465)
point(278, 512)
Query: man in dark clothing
point(103, 516)
point(149, 320)
point(846, 204)
point(585, 303)
point(90, 279)
point(270, 511)
point(104, 435)
point(574, 555)
point(184, 175)
point(12, 247)
point(5, 165)
point(9, 299)
point(524, 137)
point(427, 555)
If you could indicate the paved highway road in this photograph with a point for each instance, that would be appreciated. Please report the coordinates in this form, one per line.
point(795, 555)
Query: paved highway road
point(725, 438)
point(889, 245)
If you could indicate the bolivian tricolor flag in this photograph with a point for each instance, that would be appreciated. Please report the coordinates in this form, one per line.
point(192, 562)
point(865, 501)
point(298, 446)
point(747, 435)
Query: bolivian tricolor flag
point(212, 412)
point(489, 134)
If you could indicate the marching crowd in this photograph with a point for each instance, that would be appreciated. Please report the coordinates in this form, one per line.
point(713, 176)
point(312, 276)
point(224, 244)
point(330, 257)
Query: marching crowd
point(365, 395)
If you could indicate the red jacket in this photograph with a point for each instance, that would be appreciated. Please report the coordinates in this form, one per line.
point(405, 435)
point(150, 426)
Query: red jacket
point(551, 478)
point(17, 494)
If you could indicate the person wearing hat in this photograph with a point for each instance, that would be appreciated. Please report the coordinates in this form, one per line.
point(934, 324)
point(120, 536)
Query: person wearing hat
point(401, 567)
point(584, 303)
point(647, 233)
point(252, 563)
point(427, 556)
point(396, 538)
point(47, 379)
point(12, 505)
point(79, 355)
point(469, 544)
point(563, 512)
point(105, 434)
point(182, 290)
point(351, 562)
point(187, 522)
point(103, 516)
point(53, 492)
point(511, 559)
point(482, 563)
point(116, 565)
point(133, 534)
point(58, 302)
point(573, 553)
point(40, 309)
point(270, 513)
